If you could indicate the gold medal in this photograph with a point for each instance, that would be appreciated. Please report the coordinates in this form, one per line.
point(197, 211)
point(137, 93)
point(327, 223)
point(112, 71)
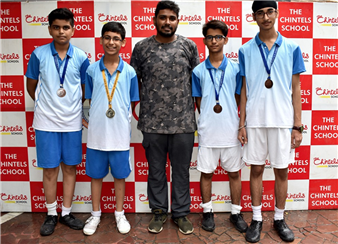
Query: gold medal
point(110, 113)
point(61, 92)
point(268, 83)
point(217, 108)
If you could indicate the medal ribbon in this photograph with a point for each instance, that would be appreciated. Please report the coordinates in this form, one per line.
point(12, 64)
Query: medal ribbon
point(220, 85)
point(62, 78)
point(265, 62)
point(110, 97)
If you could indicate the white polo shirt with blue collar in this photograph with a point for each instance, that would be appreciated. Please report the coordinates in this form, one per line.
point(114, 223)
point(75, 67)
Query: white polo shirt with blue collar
point(110, 134)
point(217, 130)
point(270, 108)
point(51, 112)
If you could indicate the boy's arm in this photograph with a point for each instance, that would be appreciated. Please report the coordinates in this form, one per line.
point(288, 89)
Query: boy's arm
point(296, 136)
point(198, 103)
point(242, 131)
point(237, 97)
point(31, 87)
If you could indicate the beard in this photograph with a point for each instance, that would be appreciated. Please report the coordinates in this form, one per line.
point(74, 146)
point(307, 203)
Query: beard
point(165, 34)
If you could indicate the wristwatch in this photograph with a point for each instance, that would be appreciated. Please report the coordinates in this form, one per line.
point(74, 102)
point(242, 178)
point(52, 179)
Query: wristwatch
point(299, 128)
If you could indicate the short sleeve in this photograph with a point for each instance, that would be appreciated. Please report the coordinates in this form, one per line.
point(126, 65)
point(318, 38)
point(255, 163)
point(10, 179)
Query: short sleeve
point(241, 63)
point(239, 82)
point(88, 86)
point(196, 86)
point(134, 91)
point(83, 70)
point(298, 62)
point(33, 68)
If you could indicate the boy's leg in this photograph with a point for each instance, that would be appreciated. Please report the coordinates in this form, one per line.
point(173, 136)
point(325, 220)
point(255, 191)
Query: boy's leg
point(122, 223)
point(94, 220)
point(281, 187)
point(50, 176)
point(50, 185)
point(235, 192)
point(69, 179)
point(208, 223)
point(120, 186)
point(205, 184)
point(96, 189)
point(281, 155)
point(253, 232)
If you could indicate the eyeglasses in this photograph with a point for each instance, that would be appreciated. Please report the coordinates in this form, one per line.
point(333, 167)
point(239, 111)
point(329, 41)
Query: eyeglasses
point(218, 38)
point(261, 14)
point(115, 39)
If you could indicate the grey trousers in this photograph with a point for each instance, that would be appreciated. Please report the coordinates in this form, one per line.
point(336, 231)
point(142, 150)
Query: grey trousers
point(179, 147)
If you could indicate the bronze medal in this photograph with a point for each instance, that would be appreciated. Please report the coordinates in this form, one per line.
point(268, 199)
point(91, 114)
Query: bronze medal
point(268, 83)
point(61, 92)
point(217, 108)
point(110, 113)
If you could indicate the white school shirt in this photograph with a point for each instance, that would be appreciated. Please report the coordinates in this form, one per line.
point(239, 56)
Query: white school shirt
point(270, 107)
point(51, 112)
point(217, 130)
point(110, 134)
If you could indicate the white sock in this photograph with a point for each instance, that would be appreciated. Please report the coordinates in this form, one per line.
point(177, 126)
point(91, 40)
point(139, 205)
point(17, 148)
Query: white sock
point(118, 214)
point(65, 211)
point(51, 208)
point(257, 213)
point(279, 214)
point(96, 213)
point(236, 209)
point(207, 207)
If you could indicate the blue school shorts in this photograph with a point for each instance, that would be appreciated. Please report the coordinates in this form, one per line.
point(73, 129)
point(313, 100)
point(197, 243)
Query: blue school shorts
point(98, 162)
point(52, 148)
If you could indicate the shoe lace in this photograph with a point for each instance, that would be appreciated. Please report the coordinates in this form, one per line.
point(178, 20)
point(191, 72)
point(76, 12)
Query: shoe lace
point(93, 220)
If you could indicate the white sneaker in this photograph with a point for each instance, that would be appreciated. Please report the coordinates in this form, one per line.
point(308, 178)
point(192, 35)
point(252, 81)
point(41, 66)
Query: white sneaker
point(122, 223)
point(91, 225)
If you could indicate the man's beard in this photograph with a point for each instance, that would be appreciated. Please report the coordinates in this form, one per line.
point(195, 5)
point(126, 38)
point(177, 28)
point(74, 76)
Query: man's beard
point(166, 34)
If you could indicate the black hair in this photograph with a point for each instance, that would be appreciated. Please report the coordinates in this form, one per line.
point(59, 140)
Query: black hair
point(114, 27)
point(61, 13)
point(215, 24)
point(167, 5)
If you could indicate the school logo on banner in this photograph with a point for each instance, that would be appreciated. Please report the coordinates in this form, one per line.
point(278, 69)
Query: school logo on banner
point(10, 20)
point(323, 194)
point(142, 22)
point(325, 56)
point(297, 195)
point(12, 93)
point(14, 164)
point(83, 17)
point(300, 169)
point(324, 128)
point(228, 12)
point(295, 21)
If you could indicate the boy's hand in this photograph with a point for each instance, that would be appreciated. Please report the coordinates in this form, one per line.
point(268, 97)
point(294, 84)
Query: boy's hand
point(242, 136)
point(84, 123)
point(296, 139)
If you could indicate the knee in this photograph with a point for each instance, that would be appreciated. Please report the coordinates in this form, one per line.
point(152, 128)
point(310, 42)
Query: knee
point(50, 174)
point(69, 170)
point(207, 177)
point(256, 171)
point(281, 174)
point(234, 176)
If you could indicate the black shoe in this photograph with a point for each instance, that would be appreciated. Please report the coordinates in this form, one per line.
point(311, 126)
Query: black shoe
point(253, 232)
point(208, 223)
point(283, 230)
point(47, 228)
point(239, 223)
point(72, 222)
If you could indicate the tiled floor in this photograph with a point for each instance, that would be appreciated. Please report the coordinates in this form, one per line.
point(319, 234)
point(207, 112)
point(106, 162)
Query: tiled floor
point(319, 226)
